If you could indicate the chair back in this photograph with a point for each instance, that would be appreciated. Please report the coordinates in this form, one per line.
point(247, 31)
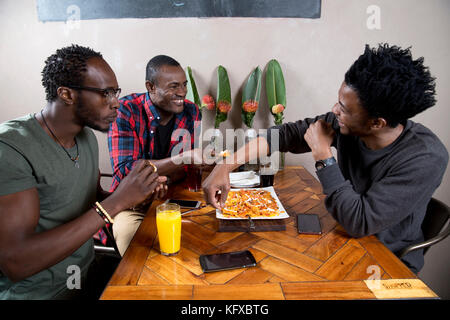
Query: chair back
point(110, 248)
point(437, 215)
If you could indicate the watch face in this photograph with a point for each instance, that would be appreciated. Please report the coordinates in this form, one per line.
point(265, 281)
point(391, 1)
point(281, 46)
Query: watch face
point(319, 165)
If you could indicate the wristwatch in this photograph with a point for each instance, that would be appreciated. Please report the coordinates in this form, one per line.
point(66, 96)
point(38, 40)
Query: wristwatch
point(320, 164)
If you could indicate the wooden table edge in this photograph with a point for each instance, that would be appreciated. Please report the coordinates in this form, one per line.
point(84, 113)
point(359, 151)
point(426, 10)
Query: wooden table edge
point(305, 290)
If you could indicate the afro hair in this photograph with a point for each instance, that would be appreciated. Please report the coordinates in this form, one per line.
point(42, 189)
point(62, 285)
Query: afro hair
point(390, 84)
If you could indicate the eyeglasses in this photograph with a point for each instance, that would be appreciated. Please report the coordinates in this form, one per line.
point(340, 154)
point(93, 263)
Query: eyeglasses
point(109, 93)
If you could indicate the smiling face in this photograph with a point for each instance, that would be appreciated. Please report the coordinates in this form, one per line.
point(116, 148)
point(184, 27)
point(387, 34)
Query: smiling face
point(95, 110)
point(169, 90)
point(353, 119)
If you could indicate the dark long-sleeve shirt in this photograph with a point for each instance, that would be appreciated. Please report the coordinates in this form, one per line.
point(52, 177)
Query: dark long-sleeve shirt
point(383, 192)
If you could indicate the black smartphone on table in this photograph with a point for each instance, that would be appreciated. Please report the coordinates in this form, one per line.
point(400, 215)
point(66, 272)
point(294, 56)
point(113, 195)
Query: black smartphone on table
point(191, 204)
point(227, 261)
point(308, 224)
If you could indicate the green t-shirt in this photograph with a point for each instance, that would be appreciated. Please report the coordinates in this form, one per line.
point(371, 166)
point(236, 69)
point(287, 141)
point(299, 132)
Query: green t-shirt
point(29, 158)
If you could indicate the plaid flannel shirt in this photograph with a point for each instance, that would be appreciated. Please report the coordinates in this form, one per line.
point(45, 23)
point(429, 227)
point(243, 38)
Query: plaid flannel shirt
point(131, 136)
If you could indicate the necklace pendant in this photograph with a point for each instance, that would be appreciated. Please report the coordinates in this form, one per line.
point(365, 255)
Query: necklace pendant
point(77, 165)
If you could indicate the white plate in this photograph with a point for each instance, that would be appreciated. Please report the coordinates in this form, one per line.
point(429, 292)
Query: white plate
point(283, 213)
point(244, 179)
point(236, 176)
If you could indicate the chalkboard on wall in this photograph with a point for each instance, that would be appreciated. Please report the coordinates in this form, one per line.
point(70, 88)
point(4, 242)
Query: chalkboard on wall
point(63, 10)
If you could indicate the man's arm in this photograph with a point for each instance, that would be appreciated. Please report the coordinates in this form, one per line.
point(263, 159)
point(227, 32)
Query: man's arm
point(23, 252)
point(291, 138)
point(123, 144)
point(291, 135)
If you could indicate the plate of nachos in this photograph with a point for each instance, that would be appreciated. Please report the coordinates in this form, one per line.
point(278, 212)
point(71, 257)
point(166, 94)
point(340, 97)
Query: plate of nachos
point(256, 203)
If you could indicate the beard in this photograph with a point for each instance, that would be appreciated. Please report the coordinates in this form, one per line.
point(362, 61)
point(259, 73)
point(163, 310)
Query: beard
point(86, 117)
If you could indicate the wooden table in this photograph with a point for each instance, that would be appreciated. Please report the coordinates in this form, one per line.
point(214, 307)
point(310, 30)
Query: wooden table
point(289, 266)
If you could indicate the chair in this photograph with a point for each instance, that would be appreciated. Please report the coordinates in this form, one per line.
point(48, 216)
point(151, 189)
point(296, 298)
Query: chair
point(110, 248)
point(436, 217)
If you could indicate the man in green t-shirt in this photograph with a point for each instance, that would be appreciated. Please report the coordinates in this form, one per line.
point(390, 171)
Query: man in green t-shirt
point(49, 180)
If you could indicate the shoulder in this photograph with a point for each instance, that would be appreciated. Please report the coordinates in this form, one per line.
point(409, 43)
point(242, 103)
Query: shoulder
point(130, 111)
point(420, 148)
point(133, 98)
point(16, 142)
point(16, 126)
point(131, 104)
point(18, 132)
point(16, 172)
point(422, 140)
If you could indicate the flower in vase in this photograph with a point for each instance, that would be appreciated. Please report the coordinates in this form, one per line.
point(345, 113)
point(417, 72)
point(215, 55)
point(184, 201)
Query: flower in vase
point(208, 102)
point(277, 108)
point(224, 106)
point(250, 106)
point(275, 91)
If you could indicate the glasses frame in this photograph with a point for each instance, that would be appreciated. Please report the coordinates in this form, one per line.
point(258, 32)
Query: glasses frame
point(109, 93)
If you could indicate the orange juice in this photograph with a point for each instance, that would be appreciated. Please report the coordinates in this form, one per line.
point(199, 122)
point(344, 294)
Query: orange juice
point(168, 223)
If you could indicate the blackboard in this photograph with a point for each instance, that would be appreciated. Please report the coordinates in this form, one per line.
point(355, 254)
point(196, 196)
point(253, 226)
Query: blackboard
point(64, 10)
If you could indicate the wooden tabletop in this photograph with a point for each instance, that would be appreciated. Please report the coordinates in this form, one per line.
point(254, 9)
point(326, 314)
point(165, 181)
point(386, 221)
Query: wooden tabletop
point(289, 265)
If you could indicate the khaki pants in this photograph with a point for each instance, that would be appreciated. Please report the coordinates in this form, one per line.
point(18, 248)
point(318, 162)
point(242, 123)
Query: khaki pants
point(125, 225)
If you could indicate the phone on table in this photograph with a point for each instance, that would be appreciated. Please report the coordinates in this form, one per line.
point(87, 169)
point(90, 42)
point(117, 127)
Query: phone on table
point(227, 261)
point(191, 204)
point(308, 224)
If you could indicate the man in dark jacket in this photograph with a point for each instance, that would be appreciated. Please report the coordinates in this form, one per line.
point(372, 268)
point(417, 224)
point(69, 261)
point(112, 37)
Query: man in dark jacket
point(388, 166)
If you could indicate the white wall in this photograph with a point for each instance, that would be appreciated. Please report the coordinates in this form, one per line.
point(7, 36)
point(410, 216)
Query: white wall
point(314, 55)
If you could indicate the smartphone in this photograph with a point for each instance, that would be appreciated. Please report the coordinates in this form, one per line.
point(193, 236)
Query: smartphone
point(185, 203)
point(226, 261)
point(308, 224)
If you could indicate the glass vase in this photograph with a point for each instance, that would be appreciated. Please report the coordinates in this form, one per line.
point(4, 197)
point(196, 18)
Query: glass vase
point(282, 160)
point(252, 165)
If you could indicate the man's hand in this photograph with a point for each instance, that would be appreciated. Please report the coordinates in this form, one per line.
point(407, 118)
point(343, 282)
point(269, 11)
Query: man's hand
point(216, 186)
point(140, 183)
point(161, 188)
point(319, 137)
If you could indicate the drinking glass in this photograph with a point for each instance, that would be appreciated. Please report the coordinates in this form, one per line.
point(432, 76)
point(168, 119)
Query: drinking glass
point(266, 175)
point(168, 223)
point(194, 178)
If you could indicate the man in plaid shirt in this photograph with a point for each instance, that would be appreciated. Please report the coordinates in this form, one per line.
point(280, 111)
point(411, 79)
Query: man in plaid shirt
point(151, 125)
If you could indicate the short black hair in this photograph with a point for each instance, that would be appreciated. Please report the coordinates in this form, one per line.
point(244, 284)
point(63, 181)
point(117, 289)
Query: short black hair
point(390, 84)
point(151, 72)
point(65, 68)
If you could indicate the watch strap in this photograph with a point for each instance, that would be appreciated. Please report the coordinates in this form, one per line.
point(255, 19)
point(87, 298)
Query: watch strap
point(320, 164)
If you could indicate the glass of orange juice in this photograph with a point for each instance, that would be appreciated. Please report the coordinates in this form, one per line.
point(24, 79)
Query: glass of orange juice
point(168, 223)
